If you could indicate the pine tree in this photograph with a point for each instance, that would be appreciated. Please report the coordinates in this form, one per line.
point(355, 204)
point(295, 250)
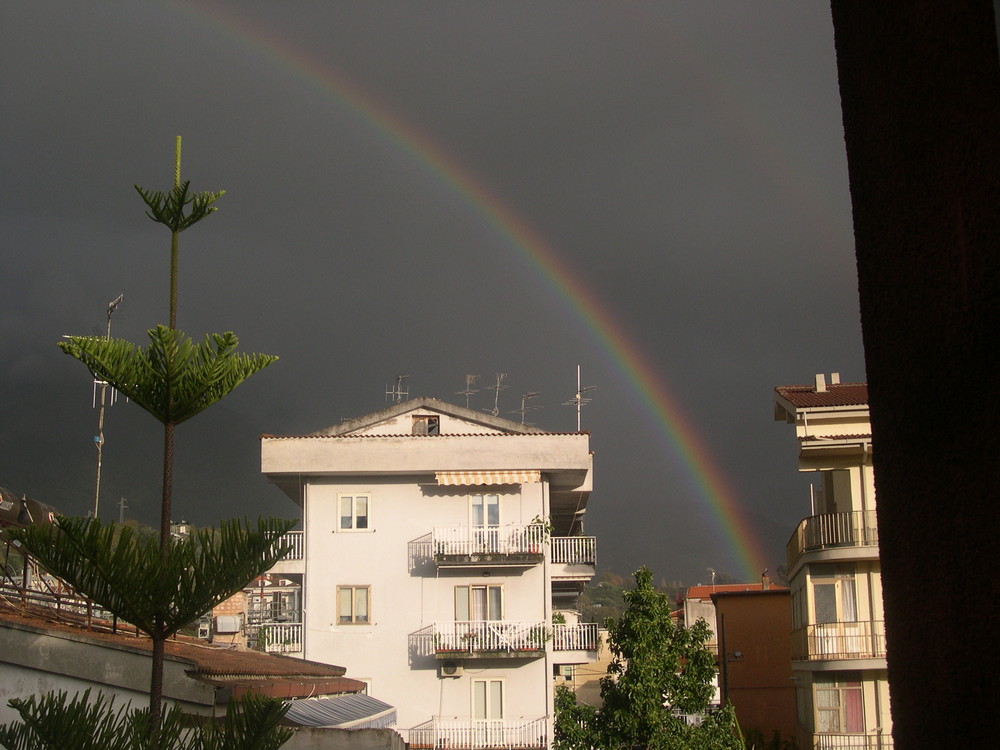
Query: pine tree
point(162, 585)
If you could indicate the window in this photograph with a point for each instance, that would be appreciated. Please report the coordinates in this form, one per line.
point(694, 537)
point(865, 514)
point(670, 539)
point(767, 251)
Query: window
point(477, 603)
point(354, 512)
point(426, 424)
point(487, 699)
point(484, 510)
point(839, 705)
point(834, 598)
point(353, 605)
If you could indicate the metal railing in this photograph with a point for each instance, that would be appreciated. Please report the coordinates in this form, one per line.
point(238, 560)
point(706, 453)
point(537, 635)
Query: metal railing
point(474, 636)
point(877, 741)
point(854, 529)
point(839, 640)
point(514, 539)
point(574, 550)
point(579, 637)
point(473, 734)
point(278, 637)
point(296, 541)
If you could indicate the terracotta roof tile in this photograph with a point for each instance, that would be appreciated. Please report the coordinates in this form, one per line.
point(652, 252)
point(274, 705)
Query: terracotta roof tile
point(705, 592)
point(841, 394)
point(281, 676)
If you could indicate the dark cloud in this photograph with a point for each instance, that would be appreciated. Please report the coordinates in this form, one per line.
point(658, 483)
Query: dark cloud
point(685, 162)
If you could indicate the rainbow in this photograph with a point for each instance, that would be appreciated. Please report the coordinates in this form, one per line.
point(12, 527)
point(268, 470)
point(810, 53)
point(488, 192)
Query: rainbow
point(673, 429)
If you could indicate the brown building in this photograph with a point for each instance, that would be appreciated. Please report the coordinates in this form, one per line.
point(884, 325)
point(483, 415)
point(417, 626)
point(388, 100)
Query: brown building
point(755, 669)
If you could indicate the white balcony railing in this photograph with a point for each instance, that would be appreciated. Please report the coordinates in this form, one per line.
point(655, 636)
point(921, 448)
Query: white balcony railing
point(295, 540)
point(830, 530)
point(468, 541)
point(876, 741)
point(580, 637)
point(476, 734)
point(574, 550)
point(475, 636)
point(279, 637)
point(839, 640)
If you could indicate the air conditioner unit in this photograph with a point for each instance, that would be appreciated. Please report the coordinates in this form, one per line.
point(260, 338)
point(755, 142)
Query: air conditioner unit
point(227, 624)
point(450, 669)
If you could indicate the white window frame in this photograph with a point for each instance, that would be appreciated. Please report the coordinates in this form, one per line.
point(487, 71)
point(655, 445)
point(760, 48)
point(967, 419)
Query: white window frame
point(354, 517)
point(487, 681)
point(483, 498)
point(354, 605)
point(469, 588)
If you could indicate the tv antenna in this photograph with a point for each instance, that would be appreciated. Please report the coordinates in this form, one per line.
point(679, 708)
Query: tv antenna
point(501, 376)
point(470, 380)
point(579, 400)
point(525, 406)
point(99, 438)
point(399, 391)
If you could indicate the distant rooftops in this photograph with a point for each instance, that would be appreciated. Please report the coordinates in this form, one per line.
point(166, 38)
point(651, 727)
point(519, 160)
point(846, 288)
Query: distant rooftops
point(821, 394)
point(705, 592)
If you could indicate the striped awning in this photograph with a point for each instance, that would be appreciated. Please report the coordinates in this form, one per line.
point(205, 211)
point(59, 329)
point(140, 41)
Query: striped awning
point(488, 477)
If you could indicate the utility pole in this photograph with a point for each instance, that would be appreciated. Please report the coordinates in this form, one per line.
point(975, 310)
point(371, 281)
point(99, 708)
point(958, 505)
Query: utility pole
point(99, 439)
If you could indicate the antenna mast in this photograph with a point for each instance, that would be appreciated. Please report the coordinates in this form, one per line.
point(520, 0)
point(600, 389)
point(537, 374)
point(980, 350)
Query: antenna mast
point(470, 380)
point(99, 438)
point(525, 407)
point(501, 376)
point(578, 400)
point(399, 391)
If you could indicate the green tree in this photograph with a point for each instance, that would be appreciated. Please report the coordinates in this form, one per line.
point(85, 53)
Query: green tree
point(658, 671)
point(162, 586)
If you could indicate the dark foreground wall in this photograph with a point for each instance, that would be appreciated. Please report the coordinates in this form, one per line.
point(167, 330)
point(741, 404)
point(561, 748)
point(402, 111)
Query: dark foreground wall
point(920, 88)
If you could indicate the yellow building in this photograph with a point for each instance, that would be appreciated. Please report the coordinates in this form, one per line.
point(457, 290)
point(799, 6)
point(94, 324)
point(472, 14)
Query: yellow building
point(838, 638)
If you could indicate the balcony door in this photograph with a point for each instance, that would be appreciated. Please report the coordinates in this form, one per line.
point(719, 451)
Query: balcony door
point(484, 517)
point(835, 610)
point(487, 712)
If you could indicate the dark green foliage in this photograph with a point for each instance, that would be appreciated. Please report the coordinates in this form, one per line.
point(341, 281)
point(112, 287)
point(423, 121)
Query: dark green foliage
point(159, 585)
point(659, 669)
point(159, 591)
point(55, 721)
point(173, 378)
point(574, 722)
point(168, 208)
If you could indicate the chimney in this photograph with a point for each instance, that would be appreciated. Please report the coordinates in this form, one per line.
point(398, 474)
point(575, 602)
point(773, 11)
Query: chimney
point(834, 378)
point(820, 383)
point(765, 581)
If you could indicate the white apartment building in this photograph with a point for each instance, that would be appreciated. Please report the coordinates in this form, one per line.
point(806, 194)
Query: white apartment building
point(838, 638)
point(441, 557)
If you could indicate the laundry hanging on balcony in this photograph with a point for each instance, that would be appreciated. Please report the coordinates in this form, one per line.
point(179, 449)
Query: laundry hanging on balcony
point(487, 477)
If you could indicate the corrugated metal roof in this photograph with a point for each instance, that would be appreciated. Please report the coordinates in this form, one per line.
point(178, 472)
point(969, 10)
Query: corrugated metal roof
point(356, 711)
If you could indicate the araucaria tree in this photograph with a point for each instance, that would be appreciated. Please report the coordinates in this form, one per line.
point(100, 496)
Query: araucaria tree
point(660, 673)
point(162, 584)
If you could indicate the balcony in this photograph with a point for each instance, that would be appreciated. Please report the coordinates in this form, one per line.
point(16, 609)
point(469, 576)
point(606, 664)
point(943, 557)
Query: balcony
point(489, 639)
point(277, 637)
point(852, 741)
point(833, 531)
point(458, 546)
point(580, 637)
point(476, 734)
point(839, 640)
point(294, 560)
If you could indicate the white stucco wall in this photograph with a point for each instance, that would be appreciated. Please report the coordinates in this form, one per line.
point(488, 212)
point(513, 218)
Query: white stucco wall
point(403, 601)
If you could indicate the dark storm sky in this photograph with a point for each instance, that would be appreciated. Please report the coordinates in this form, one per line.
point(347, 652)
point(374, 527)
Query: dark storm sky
point(682, 163)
